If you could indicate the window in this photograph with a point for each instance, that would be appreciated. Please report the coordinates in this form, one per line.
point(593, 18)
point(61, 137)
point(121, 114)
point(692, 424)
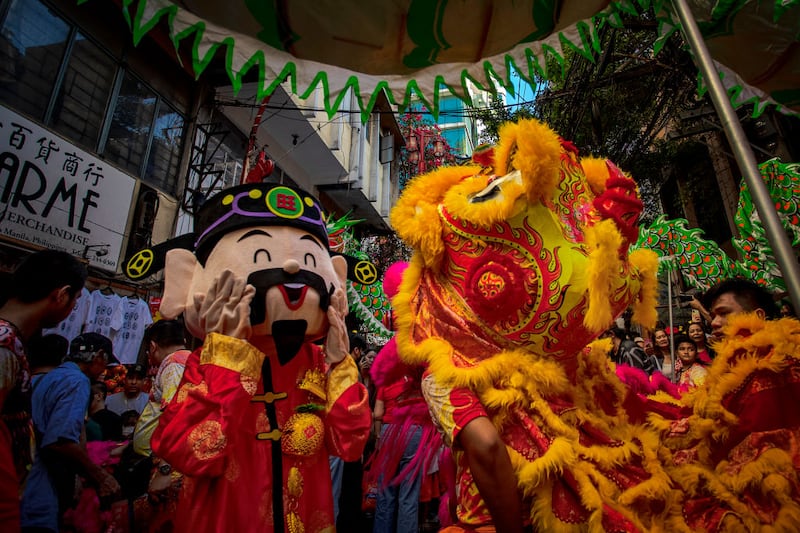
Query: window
point(56, 74)
point(32, 43)
point(451, 110)
point(84, 93)
point(165, 151)
point(456, 138)
point(129, 133)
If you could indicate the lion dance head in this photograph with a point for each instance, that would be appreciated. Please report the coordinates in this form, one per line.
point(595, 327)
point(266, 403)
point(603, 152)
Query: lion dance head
point(525, 250)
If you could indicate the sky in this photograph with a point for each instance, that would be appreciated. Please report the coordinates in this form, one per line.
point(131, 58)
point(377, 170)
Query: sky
point(524, 92)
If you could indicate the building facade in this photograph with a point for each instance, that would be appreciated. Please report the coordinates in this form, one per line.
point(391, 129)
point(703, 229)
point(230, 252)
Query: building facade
point(107, 147)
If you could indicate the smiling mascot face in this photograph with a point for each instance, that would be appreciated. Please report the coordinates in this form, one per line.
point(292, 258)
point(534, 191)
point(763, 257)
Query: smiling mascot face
point(528, 251)
point(275, 238)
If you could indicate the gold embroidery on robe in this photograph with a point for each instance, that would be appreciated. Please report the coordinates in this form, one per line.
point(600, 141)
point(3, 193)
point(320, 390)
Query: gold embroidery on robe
point(207, 439)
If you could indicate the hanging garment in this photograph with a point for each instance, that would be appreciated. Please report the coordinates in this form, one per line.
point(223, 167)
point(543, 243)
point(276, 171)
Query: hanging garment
point(135, 318)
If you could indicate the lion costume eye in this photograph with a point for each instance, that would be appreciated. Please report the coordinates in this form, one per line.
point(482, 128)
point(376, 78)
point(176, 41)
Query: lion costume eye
point(485, 195)
point(495, 188)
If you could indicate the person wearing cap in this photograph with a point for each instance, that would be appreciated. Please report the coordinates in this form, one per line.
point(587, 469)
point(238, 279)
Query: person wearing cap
point(261, 406)
point(60, 403)
point(131, 398)
point(40, 293)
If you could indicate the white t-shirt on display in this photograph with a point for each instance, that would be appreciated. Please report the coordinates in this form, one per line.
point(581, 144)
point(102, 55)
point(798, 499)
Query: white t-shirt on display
point(105, 316)
point(71, 327)
point(135, 318)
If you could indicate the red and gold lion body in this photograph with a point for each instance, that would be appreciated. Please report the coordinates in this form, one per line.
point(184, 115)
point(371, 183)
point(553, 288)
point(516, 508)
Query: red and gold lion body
point(519, 264)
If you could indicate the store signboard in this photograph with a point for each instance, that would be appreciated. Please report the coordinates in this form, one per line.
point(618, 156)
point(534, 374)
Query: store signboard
point(55, 195)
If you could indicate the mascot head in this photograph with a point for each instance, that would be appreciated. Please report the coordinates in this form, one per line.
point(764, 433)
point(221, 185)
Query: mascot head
point(275, 237)
point(528, 250)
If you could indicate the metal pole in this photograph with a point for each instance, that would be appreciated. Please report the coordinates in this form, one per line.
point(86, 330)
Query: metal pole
point(671, 258)
point(781, 247)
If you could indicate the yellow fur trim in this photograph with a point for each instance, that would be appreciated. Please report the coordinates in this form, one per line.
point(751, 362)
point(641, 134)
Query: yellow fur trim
point(416, 218)
point(738, 357)
point(751, 345)
point(754, 474)
point(603, 241)
point(644, 306)
point(535, 150)
point(596, 171)
point(518, 380)
point(559, 455)
point(407, 349)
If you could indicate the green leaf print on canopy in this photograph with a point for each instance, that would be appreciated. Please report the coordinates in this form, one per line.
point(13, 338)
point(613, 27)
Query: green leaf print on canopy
point(413, 48)
point(700, 261)
point(783, 183)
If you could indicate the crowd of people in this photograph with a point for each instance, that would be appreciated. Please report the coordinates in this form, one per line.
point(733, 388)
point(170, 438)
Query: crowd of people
point(682, 354)
point(66, 445)
point(80, 455)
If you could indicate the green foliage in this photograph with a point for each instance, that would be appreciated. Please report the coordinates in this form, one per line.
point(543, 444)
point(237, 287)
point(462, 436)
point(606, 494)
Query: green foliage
point(497, 114)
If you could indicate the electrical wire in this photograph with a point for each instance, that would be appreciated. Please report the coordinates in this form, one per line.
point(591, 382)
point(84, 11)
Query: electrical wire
point(467, 112)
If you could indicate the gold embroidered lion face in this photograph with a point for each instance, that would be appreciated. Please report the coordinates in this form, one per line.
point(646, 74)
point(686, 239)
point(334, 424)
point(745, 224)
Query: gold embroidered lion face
point(531, 253)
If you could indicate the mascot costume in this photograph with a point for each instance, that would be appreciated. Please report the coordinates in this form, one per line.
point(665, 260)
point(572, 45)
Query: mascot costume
point(520, 261)
point(261, 406)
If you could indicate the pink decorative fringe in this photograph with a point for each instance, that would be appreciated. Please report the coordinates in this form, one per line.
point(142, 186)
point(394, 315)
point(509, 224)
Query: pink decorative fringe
point(391, 447)
point(393, 277)
point(639, 382)
point(87, 517)
point(387, 369)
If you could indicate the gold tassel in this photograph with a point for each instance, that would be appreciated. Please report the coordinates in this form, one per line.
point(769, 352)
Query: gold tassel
point(603, 241)
point(644, 306)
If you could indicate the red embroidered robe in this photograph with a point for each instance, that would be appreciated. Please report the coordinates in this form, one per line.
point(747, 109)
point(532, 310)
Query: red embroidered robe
point(253, 458)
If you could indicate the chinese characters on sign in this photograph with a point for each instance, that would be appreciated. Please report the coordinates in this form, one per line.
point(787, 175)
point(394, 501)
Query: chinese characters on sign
point(56, 195)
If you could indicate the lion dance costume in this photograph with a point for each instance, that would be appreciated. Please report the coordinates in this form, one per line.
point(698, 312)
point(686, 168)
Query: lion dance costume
point(519, 262)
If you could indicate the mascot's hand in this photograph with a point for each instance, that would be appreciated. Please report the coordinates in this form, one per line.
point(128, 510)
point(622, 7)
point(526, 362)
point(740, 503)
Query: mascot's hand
point(337, 344)
point(225, 308)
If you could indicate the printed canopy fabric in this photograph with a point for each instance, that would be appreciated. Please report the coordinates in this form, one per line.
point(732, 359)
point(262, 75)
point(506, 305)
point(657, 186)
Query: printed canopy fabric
point(412, 48)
